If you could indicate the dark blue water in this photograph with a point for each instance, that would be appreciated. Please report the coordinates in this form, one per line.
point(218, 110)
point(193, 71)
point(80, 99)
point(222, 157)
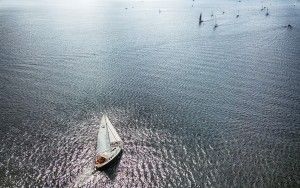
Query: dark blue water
point(196, 106)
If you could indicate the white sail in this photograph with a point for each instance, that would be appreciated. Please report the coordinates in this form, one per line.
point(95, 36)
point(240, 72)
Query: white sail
point(113, 135)
point(103, 142)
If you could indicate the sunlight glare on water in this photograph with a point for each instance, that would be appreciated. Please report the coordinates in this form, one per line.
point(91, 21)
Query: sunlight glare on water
point(195, 106)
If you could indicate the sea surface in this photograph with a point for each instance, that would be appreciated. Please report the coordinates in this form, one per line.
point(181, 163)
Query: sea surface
point(195, 106)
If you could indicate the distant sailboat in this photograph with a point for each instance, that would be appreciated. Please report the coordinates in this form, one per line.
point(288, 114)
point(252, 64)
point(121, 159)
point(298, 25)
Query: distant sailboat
point(200, 19)
point(267, 14)
point(238, 14)
point(109, 143)
point(216, 25)
point(289, 26)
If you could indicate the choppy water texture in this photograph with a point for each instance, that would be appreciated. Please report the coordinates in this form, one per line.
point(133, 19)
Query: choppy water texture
point(196, 107)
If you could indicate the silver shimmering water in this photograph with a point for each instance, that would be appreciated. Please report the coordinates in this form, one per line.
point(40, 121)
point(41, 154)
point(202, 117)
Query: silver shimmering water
point(196, 107)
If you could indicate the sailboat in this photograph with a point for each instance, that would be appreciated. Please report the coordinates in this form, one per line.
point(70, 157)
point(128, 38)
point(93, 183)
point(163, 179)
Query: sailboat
point(267, 14)
point(200, 19)
point(216, 25)
point(238, 14)
point(109, 143)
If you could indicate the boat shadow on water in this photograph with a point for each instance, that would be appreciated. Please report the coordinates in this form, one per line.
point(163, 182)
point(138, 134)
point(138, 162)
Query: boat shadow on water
point(111, 169)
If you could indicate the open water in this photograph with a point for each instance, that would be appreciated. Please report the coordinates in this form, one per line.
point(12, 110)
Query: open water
point(195, 106)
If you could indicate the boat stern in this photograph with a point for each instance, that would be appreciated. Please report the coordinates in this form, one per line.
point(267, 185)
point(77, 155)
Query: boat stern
point(103, 159)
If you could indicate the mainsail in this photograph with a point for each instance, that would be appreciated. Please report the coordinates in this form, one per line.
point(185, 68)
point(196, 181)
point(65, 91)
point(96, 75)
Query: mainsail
point(103, 142)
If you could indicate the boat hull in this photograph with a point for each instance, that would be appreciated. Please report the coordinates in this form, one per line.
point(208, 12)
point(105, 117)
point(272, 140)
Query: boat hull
point(108, 163)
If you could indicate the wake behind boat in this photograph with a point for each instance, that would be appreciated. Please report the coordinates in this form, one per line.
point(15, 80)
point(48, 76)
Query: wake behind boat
point(109, 143)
